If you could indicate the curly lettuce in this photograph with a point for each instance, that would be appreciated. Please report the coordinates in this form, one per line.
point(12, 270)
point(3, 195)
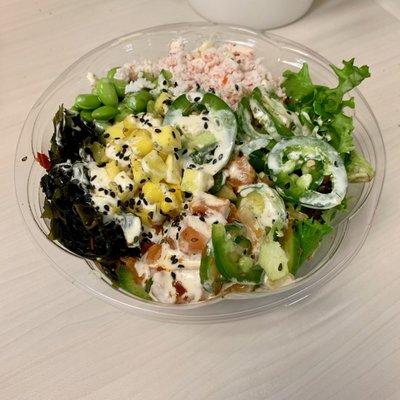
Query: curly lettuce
point(322, 108)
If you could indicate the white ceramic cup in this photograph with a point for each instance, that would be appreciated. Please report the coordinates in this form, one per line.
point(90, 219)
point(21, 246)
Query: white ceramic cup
point(257, 14)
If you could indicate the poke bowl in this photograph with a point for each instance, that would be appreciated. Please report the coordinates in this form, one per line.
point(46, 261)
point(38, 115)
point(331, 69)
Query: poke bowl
point(212, 94)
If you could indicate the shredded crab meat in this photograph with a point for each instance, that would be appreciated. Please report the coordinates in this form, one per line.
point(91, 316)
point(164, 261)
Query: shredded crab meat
point(229, 70)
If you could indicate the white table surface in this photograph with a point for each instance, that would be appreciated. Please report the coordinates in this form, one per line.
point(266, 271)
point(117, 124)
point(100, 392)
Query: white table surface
point(57, 342)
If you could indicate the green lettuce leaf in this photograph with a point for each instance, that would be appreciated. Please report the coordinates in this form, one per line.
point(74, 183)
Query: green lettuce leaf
point(310, 233)
point(322, 108)
point(358, 168)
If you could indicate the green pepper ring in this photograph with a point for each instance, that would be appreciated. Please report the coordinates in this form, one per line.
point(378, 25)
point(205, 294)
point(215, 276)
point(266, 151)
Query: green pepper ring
point(312, 149)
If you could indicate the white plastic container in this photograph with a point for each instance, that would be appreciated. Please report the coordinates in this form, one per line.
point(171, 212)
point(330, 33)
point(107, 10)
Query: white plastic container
point(257, 14)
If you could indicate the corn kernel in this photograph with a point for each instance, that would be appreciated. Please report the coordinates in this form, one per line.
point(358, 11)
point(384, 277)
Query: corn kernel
point(112, 169)
point(168, 139)
point(152, 192)
point(194, 181)
point(173, 172)
point(141, 145)
point(138, 174)
point(159, 106)
point(154, 165)
point(115, 131)
point(129, 123)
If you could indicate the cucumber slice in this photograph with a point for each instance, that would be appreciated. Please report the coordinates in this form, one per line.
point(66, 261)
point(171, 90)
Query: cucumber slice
point(208, 127)
point(127, 282)
point(273, 260)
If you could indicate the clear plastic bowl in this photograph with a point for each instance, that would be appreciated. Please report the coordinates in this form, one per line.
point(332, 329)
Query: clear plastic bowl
point(278, 54)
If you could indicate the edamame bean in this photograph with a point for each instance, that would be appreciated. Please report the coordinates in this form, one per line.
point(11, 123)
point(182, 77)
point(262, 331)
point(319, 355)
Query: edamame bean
point(104, 113)
point(150, 108)
point(137, 102)
point(87, 102)
point(123, 112)
point(106, 92)
point(119, 85)
point(111, 72)
point(86, 115)
point(101, 126)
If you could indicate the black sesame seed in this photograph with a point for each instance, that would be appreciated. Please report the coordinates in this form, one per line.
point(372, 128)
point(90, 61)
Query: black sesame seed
point(168, 200)
point(164, 90)
point(196, 99)
point(172, 190)
point(130, 187)
point(181, 266)
point(173, 274)
point(201, 218)
point(204, 118)
point(151, 214)
point(280, 267)
point(116, 138)
point(106, 135)
point(142, 181)
point(112, 194)
point(101, 165)
point(124, 146)
point(105, 213)
point(139, 202)
point(176, 149)
point(236, 87)
point(186, 206)
point(176, 156)
point(107, 207)
point(177, 236)
point(220, 157)
point(24, 158)
point(149, 124)
point(205, 125)
point(93, 178)
point(175, 84)
point(105, 191)
point(214, 161)
point(101, 189)
point(197, 86)
point(174, 135)
point(336, 164)
point(184, 151)
point(119, 203)
point(215, 222)
point(157, 130)
point(164, 82)
point(120, 188)
point(145, 202)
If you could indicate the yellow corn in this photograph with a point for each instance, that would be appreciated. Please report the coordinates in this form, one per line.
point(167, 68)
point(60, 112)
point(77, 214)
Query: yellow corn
point(138, 174)
point(196, 181)
point(152, 192)
point(115, 131)
point(154, 165)
point(112, 169)
point(170, 204)
point(168, 139)
point(129, 123)
point(174, 170)
point(159, 106)
point(141, 145)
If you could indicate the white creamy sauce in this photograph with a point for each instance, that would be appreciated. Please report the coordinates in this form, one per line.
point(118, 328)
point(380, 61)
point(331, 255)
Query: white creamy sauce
point(131, 226)
point(274, 207)
point(138, 84)
point(114, 149)
point(220, 124)
point(162, 288)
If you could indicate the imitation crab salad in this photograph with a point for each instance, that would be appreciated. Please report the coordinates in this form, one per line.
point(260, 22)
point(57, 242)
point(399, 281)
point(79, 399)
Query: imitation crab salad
point(201, 174)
